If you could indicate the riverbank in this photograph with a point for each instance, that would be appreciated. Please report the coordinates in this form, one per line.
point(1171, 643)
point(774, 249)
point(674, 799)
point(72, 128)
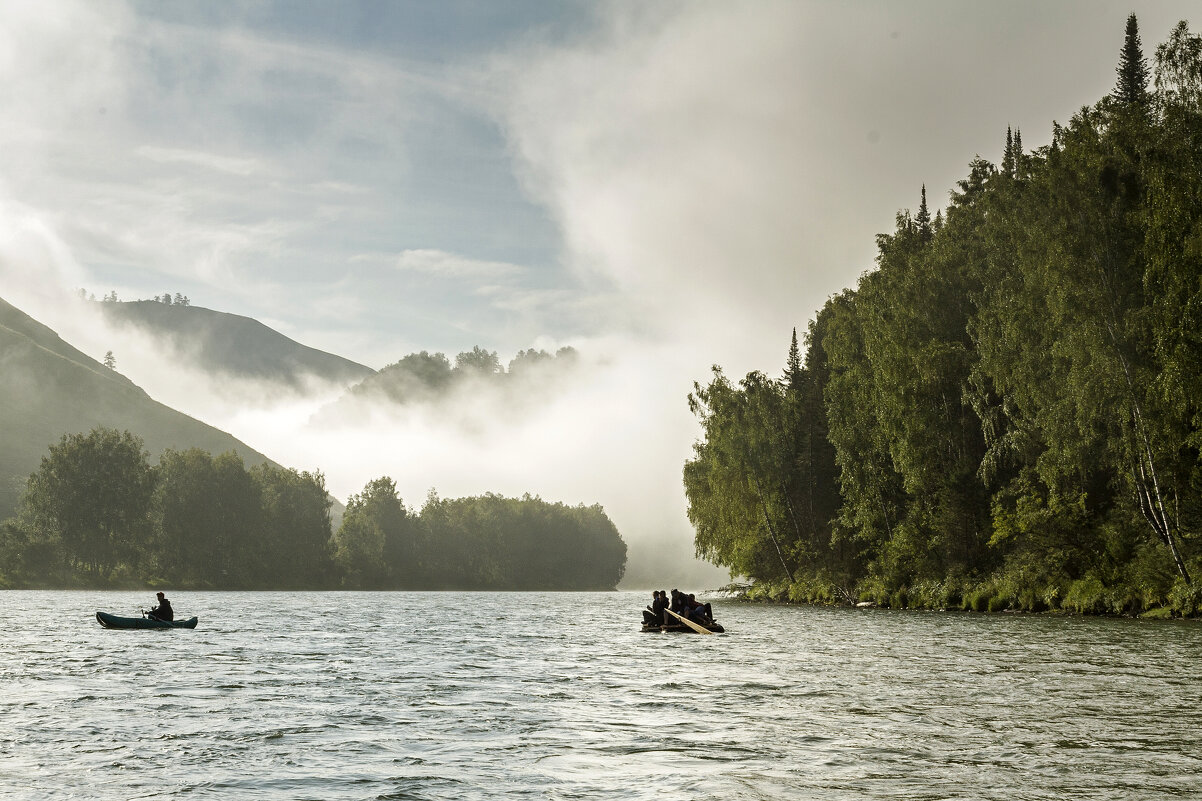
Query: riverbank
point(1087, 596)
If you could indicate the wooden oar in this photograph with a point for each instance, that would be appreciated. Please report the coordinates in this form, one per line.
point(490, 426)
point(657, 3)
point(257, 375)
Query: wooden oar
point(694, 626)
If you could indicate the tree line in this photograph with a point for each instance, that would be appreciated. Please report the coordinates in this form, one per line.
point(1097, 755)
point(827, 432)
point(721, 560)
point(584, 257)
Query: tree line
point(421, 377)
point(1007, 412)
point(97, 513)
point(166, 298)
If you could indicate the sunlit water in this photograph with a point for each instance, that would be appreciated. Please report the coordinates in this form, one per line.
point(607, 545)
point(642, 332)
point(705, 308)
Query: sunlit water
point(559, 695)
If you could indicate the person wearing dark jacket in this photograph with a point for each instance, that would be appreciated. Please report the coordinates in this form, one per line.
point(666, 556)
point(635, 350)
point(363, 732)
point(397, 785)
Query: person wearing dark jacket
point(649, 612)
point(698, 612)
point(654, 614)
point(659, 605)
point(163, 611)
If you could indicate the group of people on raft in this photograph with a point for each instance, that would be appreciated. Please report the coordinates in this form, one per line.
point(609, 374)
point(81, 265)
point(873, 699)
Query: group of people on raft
point(685, 605)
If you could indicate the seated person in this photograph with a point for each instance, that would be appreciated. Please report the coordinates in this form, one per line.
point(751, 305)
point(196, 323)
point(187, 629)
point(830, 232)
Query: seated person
point(699, 612)
point(649, 614)
point(658, 606)
point(163, 611)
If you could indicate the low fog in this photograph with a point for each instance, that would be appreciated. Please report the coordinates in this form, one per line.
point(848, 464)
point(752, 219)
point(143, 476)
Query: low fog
point(600, 431)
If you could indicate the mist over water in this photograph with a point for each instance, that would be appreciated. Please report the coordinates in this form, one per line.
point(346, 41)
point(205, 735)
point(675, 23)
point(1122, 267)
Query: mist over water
point(559, 695)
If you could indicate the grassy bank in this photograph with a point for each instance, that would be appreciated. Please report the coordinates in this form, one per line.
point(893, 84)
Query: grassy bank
point(1085, 596)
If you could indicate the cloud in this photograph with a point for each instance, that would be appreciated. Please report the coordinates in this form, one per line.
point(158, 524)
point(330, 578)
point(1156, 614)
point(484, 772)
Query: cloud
point(37, 268)
point(449, 265)
point(208, 161)
point(193, 158)
point(672, 152)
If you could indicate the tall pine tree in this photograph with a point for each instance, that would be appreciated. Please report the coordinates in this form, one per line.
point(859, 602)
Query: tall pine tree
point(923, 219)
point(1132, 85)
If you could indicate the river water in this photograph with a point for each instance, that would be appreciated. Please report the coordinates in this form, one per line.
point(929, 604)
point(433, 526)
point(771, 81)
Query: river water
point(560, 696)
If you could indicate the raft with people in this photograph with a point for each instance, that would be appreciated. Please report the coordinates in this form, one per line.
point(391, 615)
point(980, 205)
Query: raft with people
point(682, 614)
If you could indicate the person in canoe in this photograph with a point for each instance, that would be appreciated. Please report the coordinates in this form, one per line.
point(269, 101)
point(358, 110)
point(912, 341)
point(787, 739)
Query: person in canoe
point(163, 611)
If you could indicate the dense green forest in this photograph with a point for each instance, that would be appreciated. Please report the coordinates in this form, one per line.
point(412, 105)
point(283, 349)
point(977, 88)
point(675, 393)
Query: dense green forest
point(1007, 412)
point(97, 513)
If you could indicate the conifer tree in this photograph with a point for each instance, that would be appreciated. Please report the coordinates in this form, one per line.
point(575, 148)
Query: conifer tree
point(1132, 69)
point(1008, 154)
point(923, 220)
point(793, 373)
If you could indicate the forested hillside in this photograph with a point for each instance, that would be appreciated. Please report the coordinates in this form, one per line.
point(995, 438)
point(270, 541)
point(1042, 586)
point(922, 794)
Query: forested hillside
point(50, 387)
point(1007, 411)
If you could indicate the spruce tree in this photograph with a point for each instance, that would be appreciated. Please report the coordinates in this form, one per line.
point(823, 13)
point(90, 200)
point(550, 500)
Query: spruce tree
point(924, 217)
point(793, 370)
point(1132, 85)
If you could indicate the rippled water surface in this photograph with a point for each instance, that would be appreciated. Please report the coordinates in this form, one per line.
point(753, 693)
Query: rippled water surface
point(559, 695)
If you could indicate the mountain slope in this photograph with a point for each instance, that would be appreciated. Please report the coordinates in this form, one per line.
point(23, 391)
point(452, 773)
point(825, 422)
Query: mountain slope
point(219, 342)
point(49, 388)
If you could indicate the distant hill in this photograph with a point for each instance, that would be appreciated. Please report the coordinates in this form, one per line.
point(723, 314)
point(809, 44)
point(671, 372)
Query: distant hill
point(231, 344)
point(49, 388)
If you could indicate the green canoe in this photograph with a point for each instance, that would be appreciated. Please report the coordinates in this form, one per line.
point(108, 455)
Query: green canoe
point(115, 622)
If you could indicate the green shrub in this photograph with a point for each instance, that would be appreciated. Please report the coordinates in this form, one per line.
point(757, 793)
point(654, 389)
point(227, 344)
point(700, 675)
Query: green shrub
point(872, 589)
point(934, 594)
point(977, 599)
point(1186, 599)
point(1086, 596)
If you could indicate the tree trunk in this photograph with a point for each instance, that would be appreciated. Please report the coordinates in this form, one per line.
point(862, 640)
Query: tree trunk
point(772, 532)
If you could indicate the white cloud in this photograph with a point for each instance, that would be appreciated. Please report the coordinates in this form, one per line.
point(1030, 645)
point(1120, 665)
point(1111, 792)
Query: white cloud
point(450, 265)
point(673, 152)
point(209, 161)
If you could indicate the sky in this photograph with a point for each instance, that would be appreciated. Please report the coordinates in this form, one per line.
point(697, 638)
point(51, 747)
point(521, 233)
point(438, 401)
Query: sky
point(663, 186)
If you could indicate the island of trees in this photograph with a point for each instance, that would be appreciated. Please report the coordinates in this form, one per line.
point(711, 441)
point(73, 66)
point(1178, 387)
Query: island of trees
point(1007, 412)
point(97, 513)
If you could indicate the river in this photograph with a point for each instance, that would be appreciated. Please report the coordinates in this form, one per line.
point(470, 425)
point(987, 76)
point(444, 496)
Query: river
point(560, 696)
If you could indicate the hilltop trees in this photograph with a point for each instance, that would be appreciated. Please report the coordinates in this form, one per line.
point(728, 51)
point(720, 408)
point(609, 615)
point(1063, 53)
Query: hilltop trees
point(1011, 396)
point(422, 377)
